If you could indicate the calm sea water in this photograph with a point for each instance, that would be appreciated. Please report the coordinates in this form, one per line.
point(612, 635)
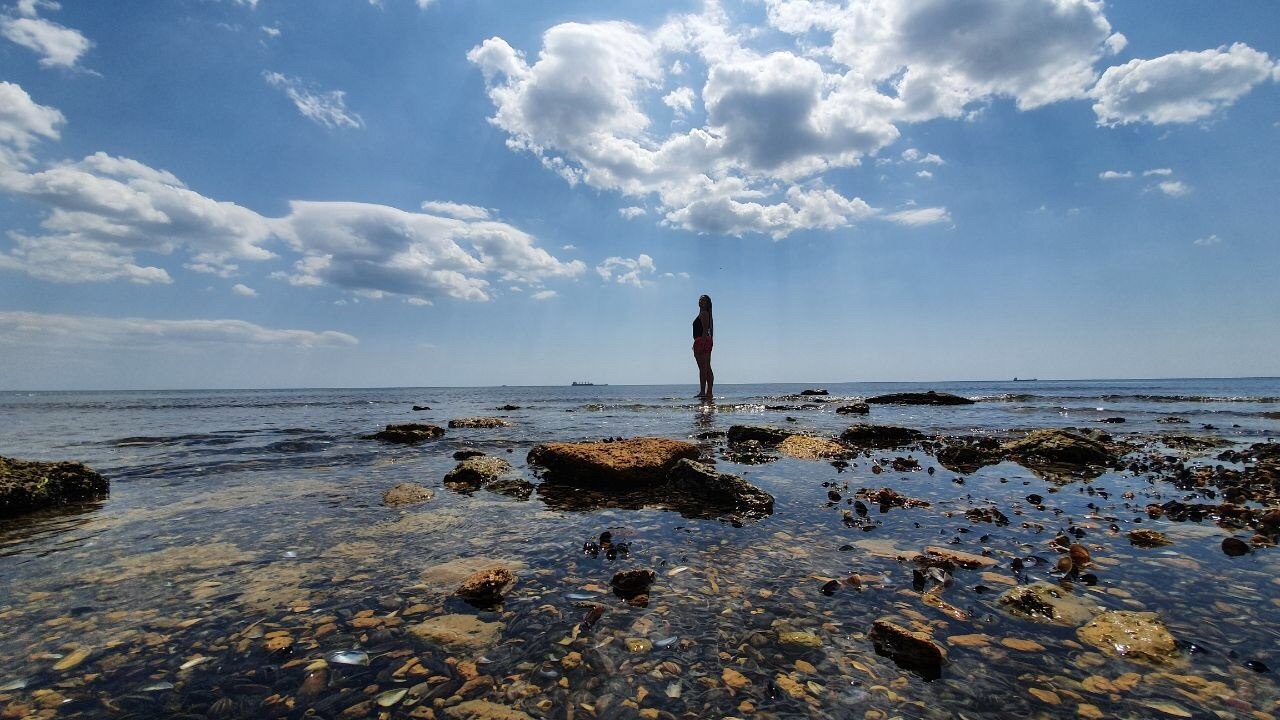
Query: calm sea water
point(230, 508)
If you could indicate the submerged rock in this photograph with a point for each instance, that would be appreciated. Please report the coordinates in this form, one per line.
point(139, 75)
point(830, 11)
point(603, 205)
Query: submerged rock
point(704, 482)
point(409, 433)
point(910, 650)
point(487, 586)
point(406, 494)
point(483, 710)
point(1148, 539)
point(478, 422)
point(1050, 448)
point(807, 447)
point(620, 463)
point(1134, 635)
point(864, 435)
point(1234, 547)
point(457, 631)
point(632, 584)
point(935, 556)
point(760, 433)
point(477, 471)
point(968, 455)
point(27, 485)
point(858, 408)
point(1044, 603)
point(914, 398)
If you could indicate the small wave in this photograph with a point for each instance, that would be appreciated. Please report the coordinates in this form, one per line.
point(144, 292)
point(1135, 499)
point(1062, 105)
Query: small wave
point(1191, 398)
point(1005, 397)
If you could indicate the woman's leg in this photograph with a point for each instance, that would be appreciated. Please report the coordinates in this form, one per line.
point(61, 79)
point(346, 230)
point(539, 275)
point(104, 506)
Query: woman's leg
point(711, 376)
point(704, 368)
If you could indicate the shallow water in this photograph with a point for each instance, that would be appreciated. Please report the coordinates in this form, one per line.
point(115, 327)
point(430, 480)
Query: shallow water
point(239, 517)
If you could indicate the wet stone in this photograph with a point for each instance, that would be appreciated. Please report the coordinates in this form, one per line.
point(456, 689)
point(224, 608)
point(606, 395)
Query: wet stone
point(1234, 547)
point(1134, 635)
point(30, 485)
point(618, 464)
point(915, 398)
point(1045, 603)
point(799, 639)
point(487, 586)
point(759, 433)
point(858, 408)
point(1148, 538)
point(457, 631)
point(406, 494)
point(910, 650)
point(477, 471)
point(628, 584)
point(478, 422)
point(864, 435)
point(409, 433)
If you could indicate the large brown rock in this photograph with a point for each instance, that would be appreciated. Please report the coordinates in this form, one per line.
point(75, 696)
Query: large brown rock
point(722, 489)
point(864, 435)
point(1058, 448)
point(1134, 635)
point(27, 485)
point(620, 463)
point(924, 398)
point(910, 650)
point(408, 433)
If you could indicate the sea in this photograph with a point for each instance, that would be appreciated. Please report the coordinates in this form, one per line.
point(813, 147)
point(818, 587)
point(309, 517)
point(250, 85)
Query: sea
point(244, 548)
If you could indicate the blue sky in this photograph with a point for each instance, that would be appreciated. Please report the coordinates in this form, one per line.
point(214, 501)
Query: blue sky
point(224, 193)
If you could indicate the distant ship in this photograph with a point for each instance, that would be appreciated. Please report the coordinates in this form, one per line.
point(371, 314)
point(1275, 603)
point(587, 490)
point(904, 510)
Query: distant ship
point(580, 383)
point(1024, 379)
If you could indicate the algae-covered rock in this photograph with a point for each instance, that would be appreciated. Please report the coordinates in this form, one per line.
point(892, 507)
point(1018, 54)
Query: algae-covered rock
point(1048, 448)
point(478, 422)
point(477, 471)
point(807, 447)
point(487, 586)
point(864, 435)
point(722, 489)
point(621, 464)
point(969, 455)
point(1044, 603)
point(406, 494)
point(760, 433)
point(1134, 635)
point(408, 433)
point(857, 408)
point(915, 398)
point(27, 485)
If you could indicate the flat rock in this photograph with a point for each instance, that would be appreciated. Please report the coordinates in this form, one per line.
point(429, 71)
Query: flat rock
point(477, 471)
point(968, 455)
point(27, 485)
point(864, 435)
point(406, 494)
point(799, 639)
point(760, 433)
point(816, 391)
point(1044, 603)
point(457, 631)
point(444, 577)
point(858, 408)
point(484, 710)
point(1135, 635)
point(914, 651)
point(807, 447)
point(620, 463)
point(486, 587)
point(478, 422)
point(915, 398)
point(704, 482)
point(1059, 447)
point(408, 433)
point(935, 555)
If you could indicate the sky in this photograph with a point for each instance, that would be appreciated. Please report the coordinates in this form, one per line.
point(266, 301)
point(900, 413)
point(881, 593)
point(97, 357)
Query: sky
point(357, 193)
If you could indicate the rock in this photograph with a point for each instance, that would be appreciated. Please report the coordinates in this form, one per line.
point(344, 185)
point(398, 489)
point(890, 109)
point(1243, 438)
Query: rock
point(1079, 555)
point(1148, 539)
point(733, 679)
point(465, 453)
point(457, 631)
point(706, 483)
point(806, 447)
point(628, 584)
point(935, 556)
point(1234, 547)
point(1135, 635)
point(487, 586)
point(888, 497)
point(477, 471)
point(799, 639)
point(1059, 447)
point(406, 494)
point(509, 407)
point(760, 433)
point(27, 485)
point(511, 487)
point(622, 463)
point(1172, 420)
point(484, 710)
point(1045, 603)
point(924, 398)
point(910, 650)
point(858, 408)
point(420, 408)
point(967, 456)
point(864, 435)
point(813, 392)
point(478, 422)
point(1112, 420)
point(409, 433)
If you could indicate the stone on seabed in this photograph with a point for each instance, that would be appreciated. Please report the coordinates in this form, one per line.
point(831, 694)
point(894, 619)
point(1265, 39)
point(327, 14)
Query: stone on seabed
point(409, 433)
point(29, 485)
point(864, 435)
point(618, 464)
point(406, 494)
point(1045, 603)
point(910, 650)
point(1135, 635)
point(704, 482)
point(487, 586)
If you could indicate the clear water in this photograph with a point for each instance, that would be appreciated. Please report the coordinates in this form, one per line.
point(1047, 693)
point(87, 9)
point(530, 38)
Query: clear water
point(230, 508)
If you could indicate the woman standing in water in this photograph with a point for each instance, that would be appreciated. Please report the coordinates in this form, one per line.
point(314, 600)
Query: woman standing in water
point(703, 329)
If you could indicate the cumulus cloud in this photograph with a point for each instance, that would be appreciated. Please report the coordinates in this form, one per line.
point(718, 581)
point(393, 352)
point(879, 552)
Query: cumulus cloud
point(544, 295)
point(1115, 174)
point(626, 271)
point(244, 290)
point(1210, 240)
point(456, 210)
point(1180, 87)
point(40, 329)
point(680, 100)
point(103, 212)
point(57, 46)
point(924, 174)
point(1174, 188)
point(632, 212)
point(326, 107)
point(916, 156)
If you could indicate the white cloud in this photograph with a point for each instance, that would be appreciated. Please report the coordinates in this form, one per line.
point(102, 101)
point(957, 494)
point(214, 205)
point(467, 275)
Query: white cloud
point(1157, 171)
point(544, 295)
point(569, 247)
point(1115, 174)
point(626, 271)
point(680, 100)
point(23, 122)
point(1174, 188)
point(916, 156)
point(40, 329)
point(919, 216)
point(31, 8)
point(57, 46)
point(924, 174)
point(244, 290)
point(326, 107)
point(1180, 87)
point(456, 210)
point(270, 31)
point(1211, 240)
point(632, 212)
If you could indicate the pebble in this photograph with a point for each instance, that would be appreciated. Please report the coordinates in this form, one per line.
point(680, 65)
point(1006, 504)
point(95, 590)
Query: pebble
point(734, 680)
point(1021, 645)
point(1045, 696)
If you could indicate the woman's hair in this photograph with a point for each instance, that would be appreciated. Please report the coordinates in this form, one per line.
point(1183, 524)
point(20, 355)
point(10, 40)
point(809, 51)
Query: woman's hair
point(711, 319)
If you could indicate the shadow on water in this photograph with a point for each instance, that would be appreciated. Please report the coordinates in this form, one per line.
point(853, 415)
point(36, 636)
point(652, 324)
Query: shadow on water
point(16, 534)
point(570, 498)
